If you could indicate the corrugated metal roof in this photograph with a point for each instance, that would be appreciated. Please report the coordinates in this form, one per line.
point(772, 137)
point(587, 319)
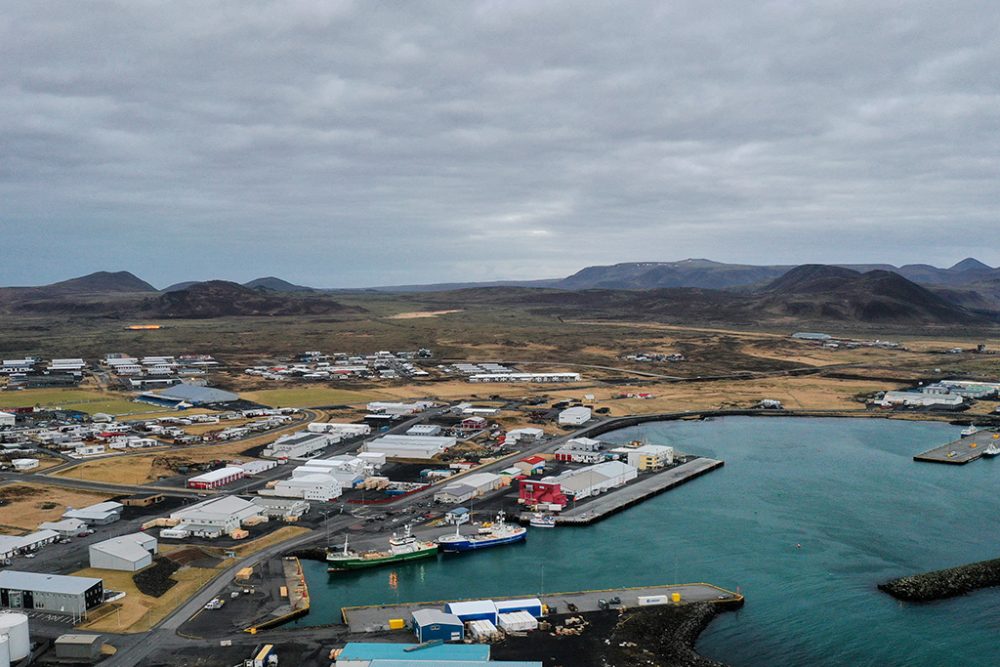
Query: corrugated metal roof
point(47, 583)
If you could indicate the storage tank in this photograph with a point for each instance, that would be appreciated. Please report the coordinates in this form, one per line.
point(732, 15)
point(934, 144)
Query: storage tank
point(14, 626)
point(4, 652)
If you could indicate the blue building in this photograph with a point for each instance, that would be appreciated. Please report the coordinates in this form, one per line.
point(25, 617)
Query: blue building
point(431, 624)
point(366, 654)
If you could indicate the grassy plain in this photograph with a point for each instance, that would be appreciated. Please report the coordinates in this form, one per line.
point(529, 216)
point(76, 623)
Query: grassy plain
point(29, 504)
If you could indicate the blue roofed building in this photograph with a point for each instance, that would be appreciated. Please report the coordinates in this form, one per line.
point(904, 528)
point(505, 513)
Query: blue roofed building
point(365, 654)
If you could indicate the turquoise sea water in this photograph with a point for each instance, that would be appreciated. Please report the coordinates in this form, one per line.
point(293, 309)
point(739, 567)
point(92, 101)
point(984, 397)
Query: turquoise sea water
point(845, 489)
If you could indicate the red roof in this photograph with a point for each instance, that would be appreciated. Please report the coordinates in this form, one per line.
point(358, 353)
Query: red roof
point(533, 459)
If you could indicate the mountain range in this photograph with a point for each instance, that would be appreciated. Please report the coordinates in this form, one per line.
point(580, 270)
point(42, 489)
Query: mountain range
point(693, 289)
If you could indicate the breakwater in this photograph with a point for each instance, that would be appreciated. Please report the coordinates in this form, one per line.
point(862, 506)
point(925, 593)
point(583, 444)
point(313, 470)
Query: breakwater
point(941, 584)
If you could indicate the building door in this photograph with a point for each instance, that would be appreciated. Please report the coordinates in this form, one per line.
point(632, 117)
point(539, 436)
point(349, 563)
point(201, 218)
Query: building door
point(14, 600)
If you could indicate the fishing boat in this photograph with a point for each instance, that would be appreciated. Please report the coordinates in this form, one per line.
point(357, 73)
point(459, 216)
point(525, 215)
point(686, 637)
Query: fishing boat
point(499, 532)
point(994, 447)
point(970, 430)
point(401, 548)
point(540, 520)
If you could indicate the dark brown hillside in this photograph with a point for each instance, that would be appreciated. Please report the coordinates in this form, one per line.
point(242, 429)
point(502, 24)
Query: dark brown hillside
point(219, 298)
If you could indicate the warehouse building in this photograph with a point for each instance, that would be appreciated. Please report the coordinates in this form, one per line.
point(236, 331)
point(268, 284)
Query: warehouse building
point(646, 457)
point(531, 465)
point(56, 594)
point(524, 435)
point(65, 527)
point(468, 487)
point(286, 509)
point(574, 416)
point(541, 493)
point(301, 444)
point(433, 624)
point(213, 479)
point(581, 450)
point(196, 395)
point(13, 545)
point(212, 518)
point(593, 480)
point(343, 430)
point(424, 429)
point(7, 419)
point(319, 487)
point(916, 399)
point(410, 446)
point(128, 553)
point(99, 514)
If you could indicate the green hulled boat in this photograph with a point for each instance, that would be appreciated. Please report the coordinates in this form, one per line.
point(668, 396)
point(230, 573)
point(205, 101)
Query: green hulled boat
point(406, 547)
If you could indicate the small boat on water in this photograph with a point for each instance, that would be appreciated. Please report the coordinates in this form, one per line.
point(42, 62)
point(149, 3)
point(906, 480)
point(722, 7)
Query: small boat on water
point(970, 430)
point(540, 520)
point(993, 449)
point(401, 548)
point(500, 532)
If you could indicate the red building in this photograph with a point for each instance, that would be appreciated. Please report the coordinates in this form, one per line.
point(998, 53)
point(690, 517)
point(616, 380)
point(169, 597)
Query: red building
point(532, 493)
point(473, 423)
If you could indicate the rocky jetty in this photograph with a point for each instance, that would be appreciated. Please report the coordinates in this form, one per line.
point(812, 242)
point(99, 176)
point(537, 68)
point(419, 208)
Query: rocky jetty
point(942, 584)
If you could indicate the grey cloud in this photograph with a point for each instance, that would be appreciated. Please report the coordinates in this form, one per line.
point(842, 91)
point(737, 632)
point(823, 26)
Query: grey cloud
point(360, 143)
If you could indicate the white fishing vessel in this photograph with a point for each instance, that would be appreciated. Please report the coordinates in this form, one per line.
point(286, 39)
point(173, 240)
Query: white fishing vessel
point(540, 520)
point(970, 430)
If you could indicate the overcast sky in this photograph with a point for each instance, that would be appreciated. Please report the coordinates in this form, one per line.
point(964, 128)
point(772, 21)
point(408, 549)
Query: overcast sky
point(374, 143)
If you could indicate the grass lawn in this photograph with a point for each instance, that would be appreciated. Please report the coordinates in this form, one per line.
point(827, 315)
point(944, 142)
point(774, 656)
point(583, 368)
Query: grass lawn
point(90, 401)
point(311, 396)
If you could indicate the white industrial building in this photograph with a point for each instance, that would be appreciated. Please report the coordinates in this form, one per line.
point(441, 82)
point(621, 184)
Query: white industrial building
point(128, 553)
point(524, 434)
point(65, 527)
point(468, 487)
point(287, 509)
point(212, 518)
point(301, 444)
point(646, 457)
point(20, 465)
point(574, 416)
point(595, 479)
point(921, 400)
point(349, 471)
point(343, 430)
point(424, 429)
point(7, 419)
point(410, 446)
point(99, 514)
point(316, 486)
point(12, 545)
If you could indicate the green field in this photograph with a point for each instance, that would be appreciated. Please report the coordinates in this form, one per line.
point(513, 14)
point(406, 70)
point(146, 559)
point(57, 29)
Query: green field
point(305, 397)
point(90, 401)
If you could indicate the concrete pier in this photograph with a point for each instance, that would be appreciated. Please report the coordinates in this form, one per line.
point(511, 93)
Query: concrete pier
point(616, 500)
point(961, 451)
point(375, 618)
